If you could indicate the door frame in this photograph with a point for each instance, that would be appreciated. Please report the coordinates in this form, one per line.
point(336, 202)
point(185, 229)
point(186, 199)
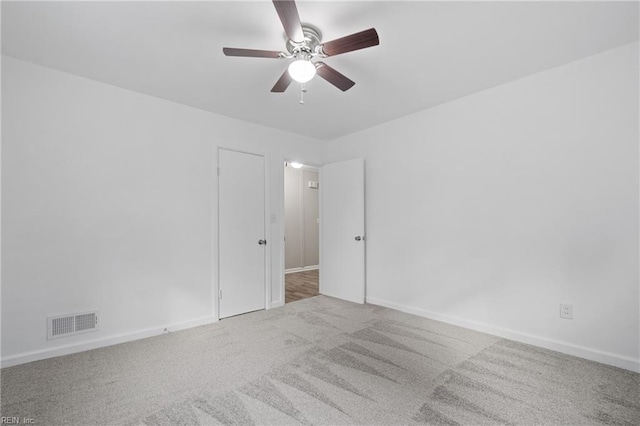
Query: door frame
point(216, 227)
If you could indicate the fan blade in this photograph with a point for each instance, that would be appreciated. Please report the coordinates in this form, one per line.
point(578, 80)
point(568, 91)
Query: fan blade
point(357, 41)
point(288, 13)
point(250, 53)
point(283, 82)
point(333, 76)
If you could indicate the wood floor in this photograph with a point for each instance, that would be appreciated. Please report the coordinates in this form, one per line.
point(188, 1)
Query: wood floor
point(301, 285)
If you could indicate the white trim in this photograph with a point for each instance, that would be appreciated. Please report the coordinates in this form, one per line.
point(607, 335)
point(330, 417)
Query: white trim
point(266, 161)
point(304, 268)
point(320, 227)
point(215, 214)
point(301, 221)
point(100, 343)
point(603, 357)
point(280, 236)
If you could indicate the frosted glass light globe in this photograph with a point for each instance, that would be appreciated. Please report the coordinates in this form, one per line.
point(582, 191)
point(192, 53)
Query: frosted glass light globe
point(302, 70)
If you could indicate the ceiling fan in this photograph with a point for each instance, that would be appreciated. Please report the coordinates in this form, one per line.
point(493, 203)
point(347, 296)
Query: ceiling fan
point(304, 44)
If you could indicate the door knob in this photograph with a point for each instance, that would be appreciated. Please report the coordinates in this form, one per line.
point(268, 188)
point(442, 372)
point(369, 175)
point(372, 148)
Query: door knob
point(262, 242)
point(359, 238)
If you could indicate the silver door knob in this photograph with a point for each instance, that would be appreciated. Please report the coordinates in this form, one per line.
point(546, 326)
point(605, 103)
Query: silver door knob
point(358, 238)
point(262, 242)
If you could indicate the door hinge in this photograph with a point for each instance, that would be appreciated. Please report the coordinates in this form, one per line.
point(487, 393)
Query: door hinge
point(219, 294)
point(218, 171)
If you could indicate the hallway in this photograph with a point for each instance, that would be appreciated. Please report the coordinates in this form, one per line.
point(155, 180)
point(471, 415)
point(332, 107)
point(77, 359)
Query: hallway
point(301, 285)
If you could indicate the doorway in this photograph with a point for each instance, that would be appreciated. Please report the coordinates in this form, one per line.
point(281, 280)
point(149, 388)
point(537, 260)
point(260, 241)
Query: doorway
point(302, 221)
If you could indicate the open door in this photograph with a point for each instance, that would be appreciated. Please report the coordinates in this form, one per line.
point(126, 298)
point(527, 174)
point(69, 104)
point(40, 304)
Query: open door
point(342, 229)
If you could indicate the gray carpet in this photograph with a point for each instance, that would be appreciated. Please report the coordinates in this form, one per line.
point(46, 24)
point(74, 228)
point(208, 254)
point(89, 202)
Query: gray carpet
point(321, 361)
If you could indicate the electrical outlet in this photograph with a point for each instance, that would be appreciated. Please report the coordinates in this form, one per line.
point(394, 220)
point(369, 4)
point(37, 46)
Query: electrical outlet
point(566, 311)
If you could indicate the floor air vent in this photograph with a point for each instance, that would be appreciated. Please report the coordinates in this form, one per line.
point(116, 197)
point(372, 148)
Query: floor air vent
point(69, 325)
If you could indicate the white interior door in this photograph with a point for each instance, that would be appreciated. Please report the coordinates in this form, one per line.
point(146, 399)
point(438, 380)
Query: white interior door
point(241, 231)
point(342, 226)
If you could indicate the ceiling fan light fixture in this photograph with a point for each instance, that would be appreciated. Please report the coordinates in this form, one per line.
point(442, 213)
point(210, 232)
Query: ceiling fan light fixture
point(304, 42)
point(302, 70)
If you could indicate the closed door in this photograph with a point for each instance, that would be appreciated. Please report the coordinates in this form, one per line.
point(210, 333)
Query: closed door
point(241, 230)
point(342, 262)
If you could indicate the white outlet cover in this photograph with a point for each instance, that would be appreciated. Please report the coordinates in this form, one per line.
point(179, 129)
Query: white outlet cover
point(566, 311)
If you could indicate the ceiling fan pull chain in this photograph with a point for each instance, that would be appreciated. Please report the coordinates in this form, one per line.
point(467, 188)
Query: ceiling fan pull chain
point(302, 92)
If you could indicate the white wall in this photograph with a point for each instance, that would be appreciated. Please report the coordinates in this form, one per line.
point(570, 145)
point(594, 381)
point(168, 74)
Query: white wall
point(491, 210)
point(310, 219)
point(109, 202)
point(487, 212)
point(292, 217)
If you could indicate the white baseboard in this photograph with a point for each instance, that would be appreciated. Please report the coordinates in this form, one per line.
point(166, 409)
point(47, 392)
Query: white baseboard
point(277, 304)
point(303, 269)
point(603, 357)
point(100, 343)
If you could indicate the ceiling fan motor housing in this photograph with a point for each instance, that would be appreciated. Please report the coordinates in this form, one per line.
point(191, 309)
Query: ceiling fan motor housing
point(311, 44)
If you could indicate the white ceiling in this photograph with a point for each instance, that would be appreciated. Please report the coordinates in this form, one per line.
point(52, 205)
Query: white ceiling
point(429, 52)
